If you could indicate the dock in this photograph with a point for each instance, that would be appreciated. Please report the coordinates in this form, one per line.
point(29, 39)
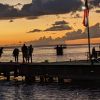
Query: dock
point(47, 71)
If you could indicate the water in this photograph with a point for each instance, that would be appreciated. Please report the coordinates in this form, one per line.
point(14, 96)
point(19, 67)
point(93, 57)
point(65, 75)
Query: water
point(10, 91)
point(41, 54)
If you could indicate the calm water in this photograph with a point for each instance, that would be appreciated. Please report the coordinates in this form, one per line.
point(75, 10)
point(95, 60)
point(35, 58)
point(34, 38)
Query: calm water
point(10, 91)
point(41, 54)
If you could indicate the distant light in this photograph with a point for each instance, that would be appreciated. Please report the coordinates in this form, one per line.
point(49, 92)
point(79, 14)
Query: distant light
point(83, 7)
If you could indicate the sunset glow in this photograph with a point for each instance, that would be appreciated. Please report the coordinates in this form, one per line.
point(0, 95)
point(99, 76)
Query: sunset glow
point(13, 31)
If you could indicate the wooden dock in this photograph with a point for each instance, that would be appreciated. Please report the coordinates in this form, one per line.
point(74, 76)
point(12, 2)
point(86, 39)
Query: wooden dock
point(46, 71)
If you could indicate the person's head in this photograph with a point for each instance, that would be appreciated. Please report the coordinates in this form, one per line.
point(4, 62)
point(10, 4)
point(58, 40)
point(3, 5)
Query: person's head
point(23, 44)
point(93, 47)
point(16, 48)
point(30, 45)
point(1, 48)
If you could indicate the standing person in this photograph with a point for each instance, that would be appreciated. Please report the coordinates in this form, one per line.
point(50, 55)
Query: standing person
point(57, 50)
point(27, 55)
point(30, 48)
point(61, 50)
point(1, 51)
point(99, 47)
point(99, 50)
point(94, 54)
point(16, 54)
point(24, 52)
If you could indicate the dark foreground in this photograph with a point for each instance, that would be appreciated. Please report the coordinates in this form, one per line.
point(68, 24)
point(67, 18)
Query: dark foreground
point(51, 72)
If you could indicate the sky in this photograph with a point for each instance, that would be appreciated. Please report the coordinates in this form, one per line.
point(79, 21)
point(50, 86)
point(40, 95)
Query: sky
point(18, 25)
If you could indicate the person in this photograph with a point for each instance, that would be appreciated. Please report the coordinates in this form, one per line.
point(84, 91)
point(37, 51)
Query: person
point(24, 52)
point(30, 48)
point(99, 47)
point(1, 51)
point(59, 50)
point(16, 54)
point(27, 55)
point(99, 50)
point(94, 54)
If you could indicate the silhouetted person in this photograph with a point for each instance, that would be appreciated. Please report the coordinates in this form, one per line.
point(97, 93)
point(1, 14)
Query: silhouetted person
point(30, 48)
point(59, 50)
point(24, 52)
point(27, 55)
point(99, 50)
point(1, 51)
point(94, 54)
point(16, 54)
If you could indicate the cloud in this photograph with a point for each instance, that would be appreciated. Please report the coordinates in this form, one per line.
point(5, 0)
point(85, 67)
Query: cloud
point(60, 23)
point(26, 10)
point(7, 11)
point(31, 17)
point(40, 7)
point(43, 41)
point(56, 6)
point(43, 7)
point(59, 26)
point(35, 30)
point(94, 33)
point(75, 35)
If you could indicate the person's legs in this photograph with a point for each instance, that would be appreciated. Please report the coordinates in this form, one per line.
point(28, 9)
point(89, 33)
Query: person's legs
point(23, 58)
point(31, 58)
point(17, 59)
point(28, 59)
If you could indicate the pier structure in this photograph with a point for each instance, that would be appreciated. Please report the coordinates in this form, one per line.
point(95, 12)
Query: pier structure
point(47, 72)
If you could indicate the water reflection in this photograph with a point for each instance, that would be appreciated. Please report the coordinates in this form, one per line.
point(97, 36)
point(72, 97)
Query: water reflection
point(9, 91)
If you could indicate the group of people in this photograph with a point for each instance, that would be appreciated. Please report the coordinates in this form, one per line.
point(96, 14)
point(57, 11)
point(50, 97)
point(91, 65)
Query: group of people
point(26, 53)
